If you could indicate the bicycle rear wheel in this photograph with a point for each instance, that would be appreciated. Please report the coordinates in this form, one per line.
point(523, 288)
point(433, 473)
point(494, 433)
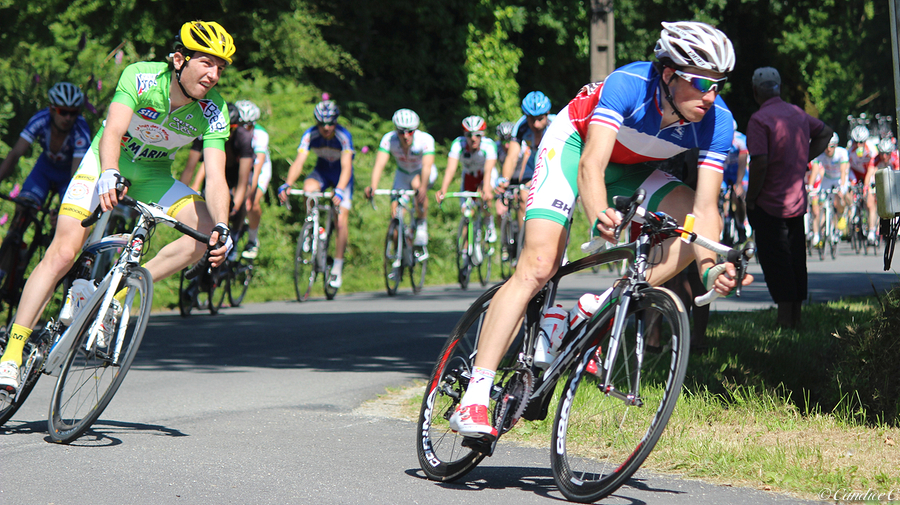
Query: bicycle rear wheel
point(487, 258)
point(418, 268)
point(330, 291)
point(240, 274)
point(217, 289)
point(33, 355)
point(393, 263)
point(463, 261)
point(188, 292)
point(601, 435)
point(304, 262)
point(440, 451)
point(90, 377)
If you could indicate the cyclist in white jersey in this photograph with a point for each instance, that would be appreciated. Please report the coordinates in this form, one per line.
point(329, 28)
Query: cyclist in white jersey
point(863, 153)
point(157, 109)
point(413, 150)
point(647, 111)
point(261, 176)
point(832, 166)
point(478, 156)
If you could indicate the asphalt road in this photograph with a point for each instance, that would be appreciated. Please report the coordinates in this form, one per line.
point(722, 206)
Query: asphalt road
point(257, 405)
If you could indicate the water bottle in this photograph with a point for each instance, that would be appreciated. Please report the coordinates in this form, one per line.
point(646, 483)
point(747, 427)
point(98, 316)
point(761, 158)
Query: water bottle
point(322, 234)
point(76, 299)
point(557, 322)
point(404, 200)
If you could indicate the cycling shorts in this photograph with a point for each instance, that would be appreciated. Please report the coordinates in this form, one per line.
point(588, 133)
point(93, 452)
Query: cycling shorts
point(148, 184)
point(44, 178)
point(330, 182)
point(554, 187)
point(403, 180)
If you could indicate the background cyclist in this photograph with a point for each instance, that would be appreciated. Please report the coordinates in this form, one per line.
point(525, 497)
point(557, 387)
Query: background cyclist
point(262, 175)
point(64, 138)
point(733, 180)
point(153, 101)
point(413, 150)
point(333, 146)
point(478, 155)
point(675, 103)
point(862, 154)
point(833, 167)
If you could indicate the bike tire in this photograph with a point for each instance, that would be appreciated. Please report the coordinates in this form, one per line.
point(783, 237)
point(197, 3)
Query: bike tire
point(392, 274)
point(89, 380)
point(418, 268)
point(599, 441)
point(187, 295)
point(304, 262)
point(441, 454)
point(463, 261)
point(33, 356)
point(330, 291)
point(507, 247)
point(240, 273)
point(217, 289)
point(487, 259)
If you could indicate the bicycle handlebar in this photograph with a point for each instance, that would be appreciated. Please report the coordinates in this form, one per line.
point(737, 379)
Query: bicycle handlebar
point(391, 192)
point(20, 200)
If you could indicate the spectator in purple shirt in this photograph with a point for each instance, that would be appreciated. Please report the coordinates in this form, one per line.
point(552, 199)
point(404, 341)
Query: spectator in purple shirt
point(782, 139)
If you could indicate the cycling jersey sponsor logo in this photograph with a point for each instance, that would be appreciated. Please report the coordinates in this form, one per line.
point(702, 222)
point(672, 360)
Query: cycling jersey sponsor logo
point(149, 154)
point(84, 177)
point(145, 82)
point(80, 143)
point(679, 133)
point(152, 133)
point(182, 127)
point(213, 115)
point(148, 113)
point(123, 142)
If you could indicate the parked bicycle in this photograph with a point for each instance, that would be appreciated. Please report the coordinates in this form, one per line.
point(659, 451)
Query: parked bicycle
point(231, 279)
point(623, 369)
point(400, 251)
point(314, 244)
point(92, 353)
point(472, 249)
point(511, 234)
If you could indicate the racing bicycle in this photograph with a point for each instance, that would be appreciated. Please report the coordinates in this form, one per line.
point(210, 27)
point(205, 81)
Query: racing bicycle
point(622, 370)
point(232, 279)
point(472, 249)
point(312, 255)
point(511, 234)
point(400, 250)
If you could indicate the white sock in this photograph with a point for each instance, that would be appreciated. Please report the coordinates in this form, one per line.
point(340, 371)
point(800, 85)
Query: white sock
point(479, 390)
point(252, 235)
point(338, 266)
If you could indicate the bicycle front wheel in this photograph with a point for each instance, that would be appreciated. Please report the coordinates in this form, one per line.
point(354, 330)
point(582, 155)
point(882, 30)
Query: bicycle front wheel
point(487, 257)
point(217, 289)
point(188, 292)
point(90, 377)
point(463, 261)
point(240, 275)
point(304, 262)
point(33, 355)
point(603, 430)
point(418, 268)
point(393, 263)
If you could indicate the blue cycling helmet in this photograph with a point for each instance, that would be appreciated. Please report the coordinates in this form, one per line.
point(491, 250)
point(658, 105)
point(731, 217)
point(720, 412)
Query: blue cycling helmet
point(535, 104)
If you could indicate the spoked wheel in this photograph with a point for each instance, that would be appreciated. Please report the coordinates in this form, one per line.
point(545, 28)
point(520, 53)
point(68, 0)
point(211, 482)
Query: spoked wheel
point(441, 453)
point(603, 431)
point(217, 289)
point(240, 274)
point(393, 263)
point(33, 355)
point(91, 376)
point(487, 258)
point(418, 268)
point(463, 261)
point(304, 262)
point(330, 291)
point(188, 291)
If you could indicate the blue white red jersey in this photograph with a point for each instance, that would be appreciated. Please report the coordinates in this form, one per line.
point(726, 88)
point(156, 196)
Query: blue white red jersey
point(76, 144)
point(629, 102)
point(328, 150)
point(738, 146)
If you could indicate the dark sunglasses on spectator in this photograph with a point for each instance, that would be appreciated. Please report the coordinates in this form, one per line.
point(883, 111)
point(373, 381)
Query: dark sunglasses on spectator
point(66, 112)
point(702, 83)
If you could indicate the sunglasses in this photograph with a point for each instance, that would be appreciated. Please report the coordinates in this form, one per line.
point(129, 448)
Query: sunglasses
point(328, 123)
point(537, 118)
point(405, 131)
point(701, 83)
point(66, 112)
point(474, 134)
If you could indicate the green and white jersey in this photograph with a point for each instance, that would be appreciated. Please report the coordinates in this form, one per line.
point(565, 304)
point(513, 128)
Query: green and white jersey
point(156, 133)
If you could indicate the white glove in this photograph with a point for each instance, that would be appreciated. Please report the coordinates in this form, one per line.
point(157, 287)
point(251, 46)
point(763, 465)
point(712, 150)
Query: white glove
point(108, 180)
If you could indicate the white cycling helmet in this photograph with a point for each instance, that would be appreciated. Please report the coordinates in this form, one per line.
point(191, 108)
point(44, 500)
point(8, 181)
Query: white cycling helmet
point(66, 94)
point(695, 44)
point(886, 146)
point(248, 112)
point(859, 133)
point(405, 119)
point(835, 140)
point(505, 130)
point(474, 124)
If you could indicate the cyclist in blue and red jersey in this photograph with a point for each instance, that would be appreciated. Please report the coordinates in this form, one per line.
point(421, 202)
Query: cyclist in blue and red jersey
point(596, 147)
point(734, 179)
point(64, 137)
point(333, 145)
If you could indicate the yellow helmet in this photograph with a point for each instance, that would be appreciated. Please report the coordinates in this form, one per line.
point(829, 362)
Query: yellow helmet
point(207, 37)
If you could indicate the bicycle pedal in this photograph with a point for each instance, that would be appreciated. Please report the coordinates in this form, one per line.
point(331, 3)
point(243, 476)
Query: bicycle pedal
point(484, 444)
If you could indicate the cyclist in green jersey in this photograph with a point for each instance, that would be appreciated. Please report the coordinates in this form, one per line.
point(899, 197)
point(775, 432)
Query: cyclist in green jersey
point(157, 108)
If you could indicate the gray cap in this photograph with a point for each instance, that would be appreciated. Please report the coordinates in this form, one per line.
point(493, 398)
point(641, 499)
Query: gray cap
point(767, 76)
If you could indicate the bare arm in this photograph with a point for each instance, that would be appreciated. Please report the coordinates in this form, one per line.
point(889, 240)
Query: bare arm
point(346, 173)
point(381, 160)
point(117, 120)
point(12, 158)
point(427, 163)
point(512, 155)
point(592, 179)
point(706, 210)
point(294, 172)
point(742, 169)
point(449, 172)
point(258, 160)
point(245, 166)
point(487, 192)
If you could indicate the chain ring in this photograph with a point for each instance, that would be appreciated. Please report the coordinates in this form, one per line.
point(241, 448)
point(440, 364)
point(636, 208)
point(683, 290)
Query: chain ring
point(519, 387)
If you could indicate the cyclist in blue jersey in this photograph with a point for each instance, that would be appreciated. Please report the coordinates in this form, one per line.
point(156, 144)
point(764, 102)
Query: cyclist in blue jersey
point(64, 137)
point(597, 147)
point(333, 146)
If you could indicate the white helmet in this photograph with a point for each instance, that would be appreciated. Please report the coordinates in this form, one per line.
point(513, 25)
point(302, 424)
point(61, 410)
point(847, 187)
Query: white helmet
point(695, 44)
point(835, 140)
point(248, 112)
point(66, 94)
point(405, 119)
point(474, 124)
point(886, 146)
point(859, 133)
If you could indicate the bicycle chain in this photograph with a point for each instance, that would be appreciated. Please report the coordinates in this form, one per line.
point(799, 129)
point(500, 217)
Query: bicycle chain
point(519, 389)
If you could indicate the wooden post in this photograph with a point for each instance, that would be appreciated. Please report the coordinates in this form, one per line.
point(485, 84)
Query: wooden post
point(603, 41)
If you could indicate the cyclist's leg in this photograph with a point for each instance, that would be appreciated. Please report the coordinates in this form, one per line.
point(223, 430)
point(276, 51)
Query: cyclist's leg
point(185, 205)
point(254, 215)
point(872, 204)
